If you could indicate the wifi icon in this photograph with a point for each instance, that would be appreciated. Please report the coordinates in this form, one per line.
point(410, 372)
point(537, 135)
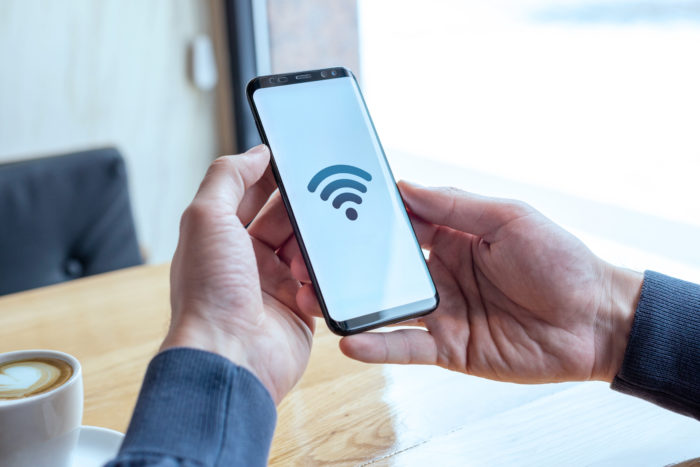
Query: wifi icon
point(341, 184)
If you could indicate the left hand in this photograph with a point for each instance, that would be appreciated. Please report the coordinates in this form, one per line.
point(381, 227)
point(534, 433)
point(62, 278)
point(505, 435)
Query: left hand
point(232, 292)
point(521, 299)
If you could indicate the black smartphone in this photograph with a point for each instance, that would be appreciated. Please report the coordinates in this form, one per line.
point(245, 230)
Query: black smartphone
point(360, 249)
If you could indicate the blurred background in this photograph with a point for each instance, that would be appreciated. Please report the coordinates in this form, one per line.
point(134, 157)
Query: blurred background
point(589, 110)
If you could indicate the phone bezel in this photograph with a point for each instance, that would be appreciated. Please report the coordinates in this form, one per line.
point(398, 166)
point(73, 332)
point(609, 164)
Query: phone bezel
point(371, 320)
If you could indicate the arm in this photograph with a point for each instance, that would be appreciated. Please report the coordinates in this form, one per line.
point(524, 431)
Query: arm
point(197, 408)
point(237, 341)
point(662, 360)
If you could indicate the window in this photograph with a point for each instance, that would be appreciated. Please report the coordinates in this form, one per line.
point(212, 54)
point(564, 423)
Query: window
point(586, 109)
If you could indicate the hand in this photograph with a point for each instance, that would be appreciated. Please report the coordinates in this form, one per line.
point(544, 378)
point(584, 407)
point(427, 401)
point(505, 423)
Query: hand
point(231, 293)
point(521, 299)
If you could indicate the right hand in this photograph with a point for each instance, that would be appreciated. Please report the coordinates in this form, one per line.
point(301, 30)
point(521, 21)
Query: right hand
point(521, 299)
point(232, 292)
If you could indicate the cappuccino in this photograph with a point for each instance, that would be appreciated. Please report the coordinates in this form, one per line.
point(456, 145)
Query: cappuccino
point(28, 377)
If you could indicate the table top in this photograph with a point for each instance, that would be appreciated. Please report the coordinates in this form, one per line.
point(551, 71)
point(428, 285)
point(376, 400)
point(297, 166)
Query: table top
point(344, 412)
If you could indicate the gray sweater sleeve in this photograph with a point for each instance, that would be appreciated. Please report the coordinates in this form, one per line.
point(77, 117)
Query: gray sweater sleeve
point(662, 360)
point(197, 409)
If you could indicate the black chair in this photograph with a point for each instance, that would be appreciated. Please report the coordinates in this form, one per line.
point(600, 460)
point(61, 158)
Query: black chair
point(64, 217)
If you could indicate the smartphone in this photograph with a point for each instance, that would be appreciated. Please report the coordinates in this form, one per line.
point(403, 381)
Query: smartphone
point(360, 249)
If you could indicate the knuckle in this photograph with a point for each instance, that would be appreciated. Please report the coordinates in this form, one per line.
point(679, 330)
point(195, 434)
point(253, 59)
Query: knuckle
point(451, 191)
point(195, 214)
point(217, 164)
point(223, 160)
point(223, 163)
point(518, 208)
point(451, 194)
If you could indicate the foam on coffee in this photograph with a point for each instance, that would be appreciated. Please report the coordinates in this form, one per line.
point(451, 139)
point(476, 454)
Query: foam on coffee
point(25, 378)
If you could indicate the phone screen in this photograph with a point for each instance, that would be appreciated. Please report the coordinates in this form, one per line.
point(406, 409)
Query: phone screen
point(359, 244)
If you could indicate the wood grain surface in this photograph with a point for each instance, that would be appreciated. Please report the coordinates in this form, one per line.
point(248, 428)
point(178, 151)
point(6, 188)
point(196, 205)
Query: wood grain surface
point(347, 413)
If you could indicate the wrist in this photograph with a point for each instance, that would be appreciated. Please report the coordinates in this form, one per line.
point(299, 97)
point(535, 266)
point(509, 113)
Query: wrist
point(614, 321)
point(212, 339)
point(209, 339)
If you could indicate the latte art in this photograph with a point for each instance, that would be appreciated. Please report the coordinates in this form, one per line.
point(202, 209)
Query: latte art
point(25, 378)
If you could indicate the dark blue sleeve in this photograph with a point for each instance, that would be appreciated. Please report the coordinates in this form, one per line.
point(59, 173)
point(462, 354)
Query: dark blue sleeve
point(662, 360)
point(198, 409)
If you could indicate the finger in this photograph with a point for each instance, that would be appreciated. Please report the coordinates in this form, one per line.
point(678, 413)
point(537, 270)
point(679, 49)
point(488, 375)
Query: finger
point(298, 268)
point(289, 249)
point(403, 346)
point(291, 255)
point(307, 301)
point(467, 212)
point(425, 232)
point(417, 322)
point(228, 177)
point(309, 322)
point(256, 197)
point(272, 225)
point(276, 280)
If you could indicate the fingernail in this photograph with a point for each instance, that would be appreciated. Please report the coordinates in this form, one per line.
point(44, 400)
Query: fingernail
point(259, 149)
point(410, 186)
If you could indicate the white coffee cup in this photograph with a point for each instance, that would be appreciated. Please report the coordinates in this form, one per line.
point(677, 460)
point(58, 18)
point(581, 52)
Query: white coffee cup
point(42, 429)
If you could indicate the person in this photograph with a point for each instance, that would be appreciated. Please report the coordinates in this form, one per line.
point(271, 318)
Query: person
point(522, 300)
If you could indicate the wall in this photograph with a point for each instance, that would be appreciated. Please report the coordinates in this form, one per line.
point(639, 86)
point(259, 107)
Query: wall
point(82, 73)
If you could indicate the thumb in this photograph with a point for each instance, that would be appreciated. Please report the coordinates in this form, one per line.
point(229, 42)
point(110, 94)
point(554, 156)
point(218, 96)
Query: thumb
point(460, 210)
point(228, 177)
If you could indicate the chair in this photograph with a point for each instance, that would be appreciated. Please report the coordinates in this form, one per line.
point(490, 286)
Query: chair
point(64, 217)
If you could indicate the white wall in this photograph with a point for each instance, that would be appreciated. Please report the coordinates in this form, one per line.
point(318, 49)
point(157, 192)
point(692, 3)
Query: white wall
point(81, 73)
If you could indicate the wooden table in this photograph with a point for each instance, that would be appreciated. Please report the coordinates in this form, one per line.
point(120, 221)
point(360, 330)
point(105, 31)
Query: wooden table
point(344, 412)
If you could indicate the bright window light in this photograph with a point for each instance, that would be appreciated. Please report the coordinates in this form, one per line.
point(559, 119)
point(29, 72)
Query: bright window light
point(584, 106)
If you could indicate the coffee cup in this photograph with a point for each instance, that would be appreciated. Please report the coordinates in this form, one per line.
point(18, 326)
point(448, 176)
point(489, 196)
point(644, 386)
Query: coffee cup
point(41, 408)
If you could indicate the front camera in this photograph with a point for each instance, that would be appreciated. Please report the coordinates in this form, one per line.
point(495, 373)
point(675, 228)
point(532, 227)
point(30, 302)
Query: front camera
point(333, 73)
point(324, 74)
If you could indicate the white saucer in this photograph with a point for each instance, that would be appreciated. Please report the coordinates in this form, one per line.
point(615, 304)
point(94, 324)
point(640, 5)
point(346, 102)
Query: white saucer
point(96, 446)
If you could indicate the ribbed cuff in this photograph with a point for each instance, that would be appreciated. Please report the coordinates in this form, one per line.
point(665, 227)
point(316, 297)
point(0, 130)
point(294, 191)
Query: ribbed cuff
point(198, 406)
point(662, 359)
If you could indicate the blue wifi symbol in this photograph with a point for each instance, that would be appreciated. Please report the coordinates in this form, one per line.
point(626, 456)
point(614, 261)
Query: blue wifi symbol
point(326, 193)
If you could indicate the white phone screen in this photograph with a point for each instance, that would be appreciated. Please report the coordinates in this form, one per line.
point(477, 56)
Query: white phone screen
point(352, 222)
